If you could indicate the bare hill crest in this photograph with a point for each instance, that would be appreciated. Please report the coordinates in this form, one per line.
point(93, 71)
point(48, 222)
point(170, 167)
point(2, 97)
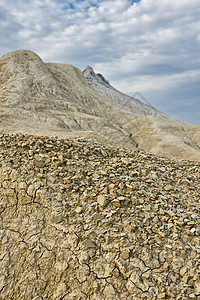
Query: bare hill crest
point(59, 100)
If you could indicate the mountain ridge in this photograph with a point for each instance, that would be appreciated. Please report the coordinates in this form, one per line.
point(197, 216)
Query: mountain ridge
point(103, 87)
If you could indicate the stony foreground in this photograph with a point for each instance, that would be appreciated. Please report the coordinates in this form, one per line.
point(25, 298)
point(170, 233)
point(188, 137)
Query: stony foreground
point(82, 221)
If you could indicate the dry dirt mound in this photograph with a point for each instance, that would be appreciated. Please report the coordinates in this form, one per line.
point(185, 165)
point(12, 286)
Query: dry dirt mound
point(59, 100)
point(83, 221)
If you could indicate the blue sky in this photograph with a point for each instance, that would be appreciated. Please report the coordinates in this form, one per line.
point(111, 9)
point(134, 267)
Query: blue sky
point(146, 46)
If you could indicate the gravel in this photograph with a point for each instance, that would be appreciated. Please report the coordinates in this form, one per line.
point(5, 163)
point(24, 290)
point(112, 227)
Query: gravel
point(79, 220)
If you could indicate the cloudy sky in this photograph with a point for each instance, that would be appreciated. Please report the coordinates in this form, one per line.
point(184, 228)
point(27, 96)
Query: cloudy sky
point(146, 46)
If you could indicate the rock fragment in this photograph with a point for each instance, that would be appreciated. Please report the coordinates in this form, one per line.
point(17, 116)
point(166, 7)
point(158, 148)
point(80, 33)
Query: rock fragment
point(101, 200)
point(116, 203)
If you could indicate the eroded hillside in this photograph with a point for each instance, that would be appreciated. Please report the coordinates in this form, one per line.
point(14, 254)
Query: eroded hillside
point(59, 100)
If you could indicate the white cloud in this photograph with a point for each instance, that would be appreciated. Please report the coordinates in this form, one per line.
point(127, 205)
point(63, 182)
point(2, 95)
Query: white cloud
point(150, 83)
point(151, 45)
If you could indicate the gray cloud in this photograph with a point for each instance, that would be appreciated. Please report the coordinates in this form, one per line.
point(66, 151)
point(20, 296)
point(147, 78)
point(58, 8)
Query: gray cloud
point(151, 46)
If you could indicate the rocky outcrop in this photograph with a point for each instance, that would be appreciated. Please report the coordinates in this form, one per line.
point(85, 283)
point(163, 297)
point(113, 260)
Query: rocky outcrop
point(90, 75)
point(79, 220)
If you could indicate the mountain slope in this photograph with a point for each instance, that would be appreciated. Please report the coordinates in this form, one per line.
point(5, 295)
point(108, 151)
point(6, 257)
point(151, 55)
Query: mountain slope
point(103, 87)
point(53, 99)
point(59, 100)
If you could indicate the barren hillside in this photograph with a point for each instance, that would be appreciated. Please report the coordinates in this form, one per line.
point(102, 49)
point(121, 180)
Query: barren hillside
point(59, 100)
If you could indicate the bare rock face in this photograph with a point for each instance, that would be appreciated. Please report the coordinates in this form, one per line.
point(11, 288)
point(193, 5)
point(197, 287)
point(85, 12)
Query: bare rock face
point(79, 220)
point(90, 75)
point(59, 100)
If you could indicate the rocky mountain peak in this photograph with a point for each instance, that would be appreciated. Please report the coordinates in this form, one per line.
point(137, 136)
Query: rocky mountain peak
point(88, 72)
point(90, 75)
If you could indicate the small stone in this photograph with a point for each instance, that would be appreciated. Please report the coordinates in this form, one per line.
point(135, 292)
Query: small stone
point(194, 216)
point(160, 233)
point(146, 275)
point(183, 270)
point(198, 230)
point(190, 264)
point(168, 246)
point(125, 254)
point(157, 270)
point(192, 296)
point(126, 161)
point(168, 187)
point(78, 210)
point(88, 244)
point(116, 203)
point(161, 296)
point(162, 212)
point(95, 285)
point(197, 286)
point(57, 218)
point(173, 278)
point(185, 278)
point(170, 213)
point(60, 157)
point(170, 225)
point(121, 198)
point(147, 208)
point(60, 291)
point(102, 172)
point(51, 179)
point(109, 290)
point(101, 200)
point(38, 163)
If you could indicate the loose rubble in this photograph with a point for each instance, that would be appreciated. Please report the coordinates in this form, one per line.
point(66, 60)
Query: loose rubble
point(82, 221)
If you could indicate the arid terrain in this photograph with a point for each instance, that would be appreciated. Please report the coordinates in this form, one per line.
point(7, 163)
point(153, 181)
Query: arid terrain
point(99, 192)
point(59, 100)
point(83, 221)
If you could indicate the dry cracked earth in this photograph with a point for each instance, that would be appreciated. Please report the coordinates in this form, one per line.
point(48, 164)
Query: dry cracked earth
point(79, 220)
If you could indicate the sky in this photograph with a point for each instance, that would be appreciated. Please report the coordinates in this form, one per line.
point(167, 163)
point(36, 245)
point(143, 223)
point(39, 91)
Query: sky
point(146, 46)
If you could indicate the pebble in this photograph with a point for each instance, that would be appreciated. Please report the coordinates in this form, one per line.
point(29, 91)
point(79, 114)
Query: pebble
point(101, 200)
point(183, 270)
point(116, 203)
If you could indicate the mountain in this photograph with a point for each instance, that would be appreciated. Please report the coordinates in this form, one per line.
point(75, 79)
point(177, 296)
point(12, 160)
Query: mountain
point(103, 87)
point(57, 99)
